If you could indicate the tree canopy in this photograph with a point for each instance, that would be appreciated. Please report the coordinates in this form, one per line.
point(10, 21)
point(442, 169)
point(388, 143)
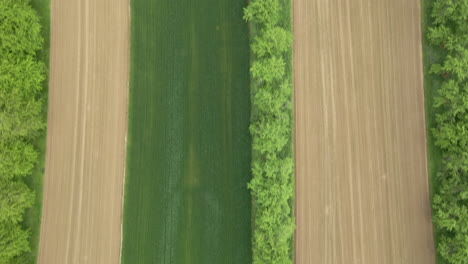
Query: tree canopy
point(449, 32)
point(271, 129)
point(21, 121)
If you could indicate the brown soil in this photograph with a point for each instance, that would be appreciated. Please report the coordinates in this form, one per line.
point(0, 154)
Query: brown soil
point(362, 191)
point(87, 124)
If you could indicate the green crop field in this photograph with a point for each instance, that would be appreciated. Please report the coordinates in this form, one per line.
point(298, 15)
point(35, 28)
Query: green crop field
point(189, 149)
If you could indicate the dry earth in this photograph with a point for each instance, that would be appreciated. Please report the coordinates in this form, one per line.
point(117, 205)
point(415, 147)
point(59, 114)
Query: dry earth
point(87, 123)
point(362, 184)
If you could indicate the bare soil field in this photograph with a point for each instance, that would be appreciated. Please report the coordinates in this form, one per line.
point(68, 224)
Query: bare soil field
point(362, 191)
point(82, 211)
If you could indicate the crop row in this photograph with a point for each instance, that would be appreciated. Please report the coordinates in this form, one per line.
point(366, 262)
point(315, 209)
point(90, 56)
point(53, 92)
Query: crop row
point(272, 184)
point(449, 33)
point(21, 121)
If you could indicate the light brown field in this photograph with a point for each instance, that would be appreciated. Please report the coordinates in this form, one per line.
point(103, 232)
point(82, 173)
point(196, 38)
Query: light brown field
point(87, 124)
point(362, 184)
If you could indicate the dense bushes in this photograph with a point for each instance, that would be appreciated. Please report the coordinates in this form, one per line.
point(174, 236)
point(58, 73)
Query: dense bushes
point(272, 185)
point(21, 120)
point(449, 32)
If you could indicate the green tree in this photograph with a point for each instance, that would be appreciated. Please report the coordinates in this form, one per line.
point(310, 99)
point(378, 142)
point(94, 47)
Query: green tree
point(20, 29)
point(450, 201)
point(273, 100)
point(450, 207)
point(13, 242)
point(15, 197)
point(21, 77)
point(21, 121)
point(20, 118)
point(268, 70)
point(18, 159)
point(264, 12)
point(271, 129)
point(271, 42)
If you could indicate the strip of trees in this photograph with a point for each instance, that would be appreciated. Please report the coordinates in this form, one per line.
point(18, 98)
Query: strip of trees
point(449, 32)
point(21, 121)
point(272, 184)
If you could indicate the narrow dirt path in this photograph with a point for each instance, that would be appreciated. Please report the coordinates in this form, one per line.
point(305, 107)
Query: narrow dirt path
point(362, 186)
point(87, 124)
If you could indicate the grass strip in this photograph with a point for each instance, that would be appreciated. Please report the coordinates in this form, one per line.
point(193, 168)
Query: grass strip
point(432, 82)
point(32, 219)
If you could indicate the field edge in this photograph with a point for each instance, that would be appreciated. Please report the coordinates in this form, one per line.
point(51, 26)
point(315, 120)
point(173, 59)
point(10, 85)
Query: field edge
point(32, 219)
point(431, 84)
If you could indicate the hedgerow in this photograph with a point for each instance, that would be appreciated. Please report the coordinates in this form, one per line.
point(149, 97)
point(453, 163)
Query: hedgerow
point(449, 32)
point(272, 184)
point(21, 121)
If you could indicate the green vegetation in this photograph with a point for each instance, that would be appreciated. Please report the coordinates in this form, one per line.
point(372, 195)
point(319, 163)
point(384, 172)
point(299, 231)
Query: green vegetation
point(445, 24)
point(189, 148)
point(22, 116)
point(272, 185)
point(32, 218)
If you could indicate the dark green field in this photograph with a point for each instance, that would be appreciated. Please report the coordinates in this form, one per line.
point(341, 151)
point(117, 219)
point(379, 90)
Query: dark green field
point(186, 197)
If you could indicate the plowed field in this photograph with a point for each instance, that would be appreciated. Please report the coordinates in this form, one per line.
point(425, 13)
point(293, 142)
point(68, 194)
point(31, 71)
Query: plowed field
point(82, 211)
point(362, 191)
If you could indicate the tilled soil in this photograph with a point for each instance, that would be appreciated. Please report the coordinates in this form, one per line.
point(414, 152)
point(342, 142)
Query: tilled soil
point(362, 191)
point(82, 211)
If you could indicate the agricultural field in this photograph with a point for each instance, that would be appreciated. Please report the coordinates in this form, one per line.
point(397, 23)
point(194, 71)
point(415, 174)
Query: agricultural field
point(83, 183)
point(362, 192)
point(232, 132)
point(189, 148)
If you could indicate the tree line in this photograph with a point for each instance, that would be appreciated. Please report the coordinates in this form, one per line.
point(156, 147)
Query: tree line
point(272, 184)
point(449, 33)
point(21, 121)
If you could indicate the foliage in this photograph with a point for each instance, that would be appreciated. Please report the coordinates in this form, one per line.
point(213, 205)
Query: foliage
point(272, 185)
point(14, 199)
point(21, 121)
point(20, 27)
point(275, 40)
point(449, 32)
point(264, 13)
point(18, 159)
point(13, 241)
